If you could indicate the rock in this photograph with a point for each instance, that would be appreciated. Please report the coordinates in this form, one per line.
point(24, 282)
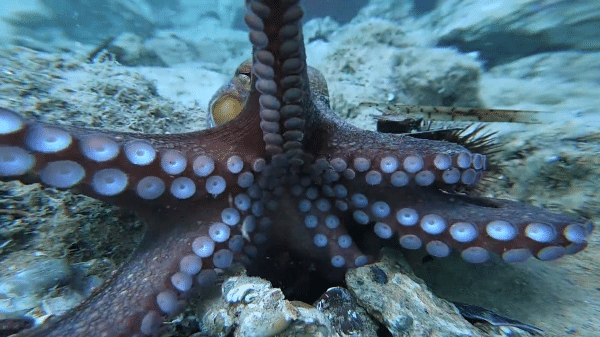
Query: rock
point(394, 296)
point(390, 292)
point(23, 290)
point(171, 48)
point(506, 30)
point(319, 29)
point(37, 277)
point(207, 41)
point(147, 33)
point(546, 82)
point(129, 50)
point(249, 306)
point(539, 162)
point(59, 305)
point(438, 76)
point(478, 314)
point(346, 316)
point(86, 22)
point(403, 71)
point(10, 326)
point(312, 322)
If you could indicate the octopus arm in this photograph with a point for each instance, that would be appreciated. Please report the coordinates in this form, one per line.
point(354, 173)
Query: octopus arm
point(178, 257)
point(127, 169)
point(426, 217)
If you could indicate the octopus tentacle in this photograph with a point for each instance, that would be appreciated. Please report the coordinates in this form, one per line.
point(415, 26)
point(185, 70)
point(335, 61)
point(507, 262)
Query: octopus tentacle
point(161, 182)
point(155, 169)
point(152, 285)
point(280, 75)
point(430, 219)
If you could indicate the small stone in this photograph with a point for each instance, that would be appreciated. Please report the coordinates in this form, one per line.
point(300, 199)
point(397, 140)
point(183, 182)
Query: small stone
point(22, 291)
point(379, 275)
point(346, 316)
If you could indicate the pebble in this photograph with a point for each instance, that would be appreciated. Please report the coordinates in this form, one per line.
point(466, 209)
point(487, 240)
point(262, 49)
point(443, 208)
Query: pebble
point(346, 316)
point(22, 291)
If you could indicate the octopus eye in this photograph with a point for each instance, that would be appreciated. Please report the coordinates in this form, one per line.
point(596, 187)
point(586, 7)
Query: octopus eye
point(224, 109)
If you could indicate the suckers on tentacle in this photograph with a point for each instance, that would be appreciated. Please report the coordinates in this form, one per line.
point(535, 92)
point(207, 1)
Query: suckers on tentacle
point(378, 180)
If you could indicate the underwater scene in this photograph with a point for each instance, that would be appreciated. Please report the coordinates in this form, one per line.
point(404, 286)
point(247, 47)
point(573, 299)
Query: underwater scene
point(299, 168)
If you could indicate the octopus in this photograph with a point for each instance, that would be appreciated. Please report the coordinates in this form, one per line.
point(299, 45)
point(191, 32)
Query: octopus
point(279, 169)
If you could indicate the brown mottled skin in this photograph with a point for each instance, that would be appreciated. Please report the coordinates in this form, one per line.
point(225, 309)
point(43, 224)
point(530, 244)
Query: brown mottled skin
point(117, 308)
